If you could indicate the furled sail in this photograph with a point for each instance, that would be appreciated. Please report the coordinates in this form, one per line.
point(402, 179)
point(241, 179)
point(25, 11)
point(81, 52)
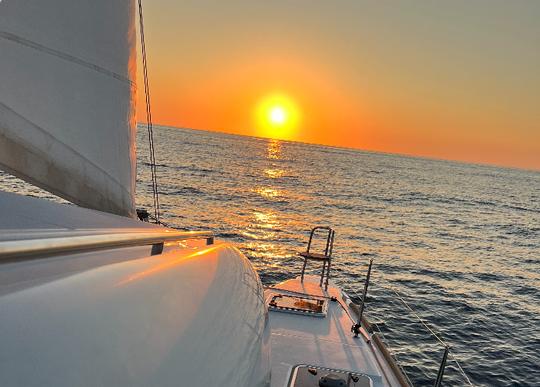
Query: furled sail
point(67, 88)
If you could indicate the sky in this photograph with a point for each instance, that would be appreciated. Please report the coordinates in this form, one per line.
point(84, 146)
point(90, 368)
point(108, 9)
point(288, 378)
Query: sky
point(456, 80)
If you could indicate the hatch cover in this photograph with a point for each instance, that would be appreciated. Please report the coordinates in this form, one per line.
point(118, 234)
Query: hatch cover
point(314, 376)
point(310, 306)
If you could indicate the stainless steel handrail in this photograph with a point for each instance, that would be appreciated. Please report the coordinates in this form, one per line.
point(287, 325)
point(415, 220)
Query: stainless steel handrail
point(14, 250)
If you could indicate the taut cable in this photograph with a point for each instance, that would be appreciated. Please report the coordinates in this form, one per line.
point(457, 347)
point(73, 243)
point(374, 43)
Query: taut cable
point(149, 118)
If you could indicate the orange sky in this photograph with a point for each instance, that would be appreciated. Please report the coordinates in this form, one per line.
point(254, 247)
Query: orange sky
point(456, 80)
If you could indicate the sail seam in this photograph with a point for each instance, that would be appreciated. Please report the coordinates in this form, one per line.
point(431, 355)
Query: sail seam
point(48, 135)
point(62, 55)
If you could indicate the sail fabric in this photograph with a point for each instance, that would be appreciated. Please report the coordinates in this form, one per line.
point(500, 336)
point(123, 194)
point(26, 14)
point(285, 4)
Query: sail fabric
point(67, 99)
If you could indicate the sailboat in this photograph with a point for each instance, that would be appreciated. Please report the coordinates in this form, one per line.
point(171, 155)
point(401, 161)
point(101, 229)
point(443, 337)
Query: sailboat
point(89, 295)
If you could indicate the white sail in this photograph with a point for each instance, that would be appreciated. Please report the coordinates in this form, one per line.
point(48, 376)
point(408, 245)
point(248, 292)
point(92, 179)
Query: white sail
point(67, 85)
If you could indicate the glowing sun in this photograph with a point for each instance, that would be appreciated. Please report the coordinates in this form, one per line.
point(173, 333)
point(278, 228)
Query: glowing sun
point(277, 116)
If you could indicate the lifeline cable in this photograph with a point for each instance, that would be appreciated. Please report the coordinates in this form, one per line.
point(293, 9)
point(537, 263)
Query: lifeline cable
point(149, 118)
point(425, 324)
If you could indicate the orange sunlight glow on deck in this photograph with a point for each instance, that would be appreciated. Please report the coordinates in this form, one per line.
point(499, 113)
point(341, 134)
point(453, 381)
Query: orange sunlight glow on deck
point(277, 116)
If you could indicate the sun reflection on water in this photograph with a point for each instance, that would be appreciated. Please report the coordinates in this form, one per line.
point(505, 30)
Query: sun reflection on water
point(273, 152)
point(274, 149)
point(266, 219)
point(268, 192)
point(265, 225)
point(274, 173)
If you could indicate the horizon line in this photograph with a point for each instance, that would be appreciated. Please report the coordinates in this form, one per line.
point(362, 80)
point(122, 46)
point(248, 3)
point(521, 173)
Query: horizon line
point(386, 153)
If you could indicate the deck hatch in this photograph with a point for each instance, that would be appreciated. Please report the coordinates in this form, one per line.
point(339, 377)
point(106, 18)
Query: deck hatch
point(314, 376)
point(310, 306)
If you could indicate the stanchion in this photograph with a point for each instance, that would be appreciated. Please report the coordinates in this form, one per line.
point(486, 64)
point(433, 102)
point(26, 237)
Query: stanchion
point(356, 327)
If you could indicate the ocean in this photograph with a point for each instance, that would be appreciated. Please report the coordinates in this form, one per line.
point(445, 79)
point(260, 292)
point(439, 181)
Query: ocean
point(458, 243)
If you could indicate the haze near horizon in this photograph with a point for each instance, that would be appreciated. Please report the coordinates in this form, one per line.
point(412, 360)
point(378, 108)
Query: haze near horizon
point(456, 80)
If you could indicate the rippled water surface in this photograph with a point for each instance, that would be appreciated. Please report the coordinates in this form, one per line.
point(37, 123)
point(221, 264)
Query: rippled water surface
point(460, 243)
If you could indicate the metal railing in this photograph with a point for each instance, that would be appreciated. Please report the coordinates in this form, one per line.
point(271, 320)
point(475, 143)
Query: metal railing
point(22, 249)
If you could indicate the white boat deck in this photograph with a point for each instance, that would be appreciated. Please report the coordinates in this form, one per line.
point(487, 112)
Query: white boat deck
point(77, 304)
point(191, 314)
point(322, 341)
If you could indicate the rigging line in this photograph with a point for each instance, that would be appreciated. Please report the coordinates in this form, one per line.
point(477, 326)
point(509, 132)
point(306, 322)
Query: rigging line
point(461, 369)
point(420, 319)
point(162, 222)
point(398, 295)
point(392, 351)
point(149, 118)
